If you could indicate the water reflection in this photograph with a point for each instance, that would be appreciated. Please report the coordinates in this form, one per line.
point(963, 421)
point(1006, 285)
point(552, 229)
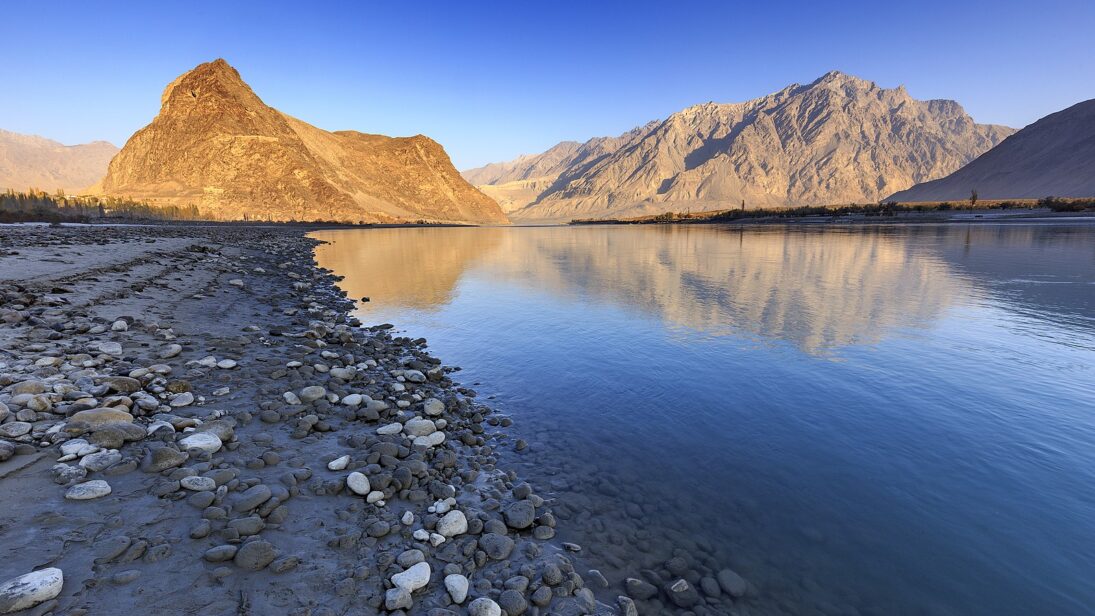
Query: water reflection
point(816, 290)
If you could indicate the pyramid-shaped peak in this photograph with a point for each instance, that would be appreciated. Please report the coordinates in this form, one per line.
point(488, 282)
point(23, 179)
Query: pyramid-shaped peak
point(216, 78)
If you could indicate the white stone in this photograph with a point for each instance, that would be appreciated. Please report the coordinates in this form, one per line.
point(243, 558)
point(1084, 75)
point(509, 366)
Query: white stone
point(170, 351)
point(358, 483)
point(88, 490)
point(436, 539)
point(201, 440)
point(484, 607)
point(339, 463)
point(353, 400)
point(291, 398)
point(184, 399)
point(457, 585)
point(198, 484)
point(414, 578)
point(433, 407)
point(28, 590)
point(421, 534)
point(392, 428)
point(374, 497)
point(432, 440)
point(408, 518)
point(236, 282)
point(345, 374)
point(414, 376)
point(418, 426)
point(453, 523)
point(119, 326)
point(226, 364)
point(110, 348)
point(72, 447)
point(312, 393)
point(208, 361)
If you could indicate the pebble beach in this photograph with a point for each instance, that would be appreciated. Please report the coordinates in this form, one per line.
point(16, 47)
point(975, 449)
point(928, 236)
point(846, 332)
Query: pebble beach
point(191, 421)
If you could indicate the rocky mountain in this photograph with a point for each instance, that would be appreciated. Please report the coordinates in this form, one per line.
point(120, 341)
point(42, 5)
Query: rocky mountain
point(1055, 156)
point(837, 140)
point(29, 161)
point(216, 145)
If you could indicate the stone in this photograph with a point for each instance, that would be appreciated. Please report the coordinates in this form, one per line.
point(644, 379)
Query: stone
point(110, 348)
point(30, 589)
point(358, 483)
point(397, 599)
point(255, 555)
point(312, 393)
point(170, 351)
point(640, 589)
point(101, 460)
point(732, 583)
point(99, 418)
point(520, 515)
point(252, 497)
point(201, 440)
point(514, 602)
point(484, 606)
point(682, 594)
point(7, 450)
point(198, 484)
point(184, 399)
point(220, 553)
point(353, 400)
point(413, 578)
point(96, 488)
point(431, 440)
point(122, 384)
point(433, 407)
point(419, 427)
point(28, 387)
point(339, 463)
point(452, 523)
point(414, 376)
point(392, 428)
point(496, 546)
point(226, 364)
point(15, 429)
point(542, 596)
point(457, 586)
point(248, 526)
point(627, 606)
point(163, 458)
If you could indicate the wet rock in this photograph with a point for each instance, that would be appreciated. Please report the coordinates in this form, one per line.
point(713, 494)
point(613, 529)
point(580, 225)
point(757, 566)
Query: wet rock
point(198, 484)
point(640, 589)
point(682, 594)
point(497, 547)
point(732, 583)
point(15, 429)
point(96, 488)
point(520, 515)
point(30, 589)
point(513, 602)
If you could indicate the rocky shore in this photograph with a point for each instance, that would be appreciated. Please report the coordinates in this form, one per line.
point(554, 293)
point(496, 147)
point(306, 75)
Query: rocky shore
point(191, 422)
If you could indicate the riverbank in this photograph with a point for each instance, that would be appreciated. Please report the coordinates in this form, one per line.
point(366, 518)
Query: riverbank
point(193, 423)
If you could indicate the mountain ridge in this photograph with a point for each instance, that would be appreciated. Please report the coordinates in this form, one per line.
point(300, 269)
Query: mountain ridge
point(33, 161)
point(215, 144)
point(1054, 156)
point(838, 139)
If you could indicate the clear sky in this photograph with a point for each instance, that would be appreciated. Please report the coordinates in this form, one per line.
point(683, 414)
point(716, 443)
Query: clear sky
point(493, 80)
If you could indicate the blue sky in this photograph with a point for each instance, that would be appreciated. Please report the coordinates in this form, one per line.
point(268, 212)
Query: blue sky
point(490, 80)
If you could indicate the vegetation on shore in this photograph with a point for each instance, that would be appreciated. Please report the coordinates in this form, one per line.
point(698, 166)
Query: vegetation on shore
point(39, 206)
point(882, 210)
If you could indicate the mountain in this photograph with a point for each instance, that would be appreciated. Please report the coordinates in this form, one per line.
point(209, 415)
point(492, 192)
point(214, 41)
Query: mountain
point(1055, 156)
point(837, 140)
point(29, 161)
point(216, 145)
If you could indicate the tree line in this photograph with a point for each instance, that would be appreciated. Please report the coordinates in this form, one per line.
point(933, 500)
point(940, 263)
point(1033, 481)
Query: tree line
point(40, 206)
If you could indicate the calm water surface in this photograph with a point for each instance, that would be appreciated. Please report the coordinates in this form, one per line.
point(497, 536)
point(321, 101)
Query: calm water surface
point(857, 420)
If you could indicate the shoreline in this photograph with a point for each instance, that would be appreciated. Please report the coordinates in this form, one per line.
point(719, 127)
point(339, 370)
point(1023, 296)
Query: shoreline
point(264, 451)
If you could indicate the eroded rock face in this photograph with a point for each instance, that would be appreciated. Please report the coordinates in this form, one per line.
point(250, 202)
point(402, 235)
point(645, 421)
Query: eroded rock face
point(216, 145)
point(838, 140)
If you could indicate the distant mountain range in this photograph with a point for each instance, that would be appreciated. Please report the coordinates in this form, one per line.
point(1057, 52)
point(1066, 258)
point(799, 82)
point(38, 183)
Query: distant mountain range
point(1055, 156)
point(29, 161)
point(216, 145)
point(837, 140)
